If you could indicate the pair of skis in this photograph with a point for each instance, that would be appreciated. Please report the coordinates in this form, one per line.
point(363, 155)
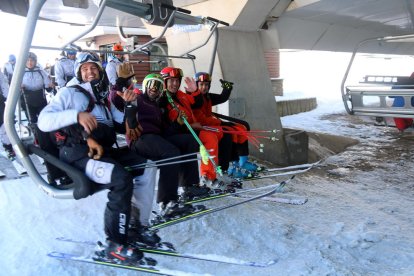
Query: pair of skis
point(168, 252)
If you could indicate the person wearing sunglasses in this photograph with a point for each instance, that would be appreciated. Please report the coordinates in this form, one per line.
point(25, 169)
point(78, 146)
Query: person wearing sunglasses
point(238, 148)
point(79, 113)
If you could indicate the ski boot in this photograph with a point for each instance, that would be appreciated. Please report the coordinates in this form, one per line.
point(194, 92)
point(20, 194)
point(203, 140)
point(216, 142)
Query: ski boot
point(231, 182)
point(236, 172)
point(251, 167)
point(114, 252)
point(8, 148)
point(218, 185)
point(194, 192)
point(174, 209)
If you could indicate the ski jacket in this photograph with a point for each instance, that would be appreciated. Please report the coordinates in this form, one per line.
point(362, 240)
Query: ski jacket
point(149, 115)
point(63, 109)
point(183, 102)
point(64, 71)
point(110, 69)
point(35, 79)
point(4, 86)
point(8, 71)
point(202, 108)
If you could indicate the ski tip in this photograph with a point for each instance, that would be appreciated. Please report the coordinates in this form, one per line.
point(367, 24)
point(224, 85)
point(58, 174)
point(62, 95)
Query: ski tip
point(272, 262)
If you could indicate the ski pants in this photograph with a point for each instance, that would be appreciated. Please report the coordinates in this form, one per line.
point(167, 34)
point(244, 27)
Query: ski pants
point(109, 173)
point(157, 147)
point(210, 140)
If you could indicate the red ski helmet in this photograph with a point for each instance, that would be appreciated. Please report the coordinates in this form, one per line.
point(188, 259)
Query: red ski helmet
point(171, 72)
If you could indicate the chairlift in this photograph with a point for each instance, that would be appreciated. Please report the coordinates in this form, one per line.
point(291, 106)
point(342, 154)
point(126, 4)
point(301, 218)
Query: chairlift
point(375, 95)
point(156, 12)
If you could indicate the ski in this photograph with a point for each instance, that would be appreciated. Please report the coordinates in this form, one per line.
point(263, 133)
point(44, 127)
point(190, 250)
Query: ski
point(96, 260)
point(2, 174)
point(257, 177)
point(301, 166)
point(174, 253)
point(235, 193)
point(227, 194)
point(287, 199)
point(201, 213)
point(18, 167)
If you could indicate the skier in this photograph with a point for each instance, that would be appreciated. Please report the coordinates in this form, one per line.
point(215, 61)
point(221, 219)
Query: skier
point(4, 87)
point(153, 144)
point(114, 61)
point(9, 68)
point(33, 99)
point(80, 112)
point(203, 112)
point(180, 110)
point(118, 108)
point(64, 68)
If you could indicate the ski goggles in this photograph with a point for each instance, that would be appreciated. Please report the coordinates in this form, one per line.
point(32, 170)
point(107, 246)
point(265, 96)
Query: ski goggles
point(87, 57)
point(204, 78)
point(154, 84)
point(174, 73)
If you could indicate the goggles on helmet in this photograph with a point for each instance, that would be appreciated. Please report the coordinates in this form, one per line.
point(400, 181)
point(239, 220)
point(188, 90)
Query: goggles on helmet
point(203, 77)
point(87, 57)
point(173, 73)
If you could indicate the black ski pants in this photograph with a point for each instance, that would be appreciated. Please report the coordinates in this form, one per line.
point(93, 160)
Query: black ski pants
point(120, 183)
point(157, 147)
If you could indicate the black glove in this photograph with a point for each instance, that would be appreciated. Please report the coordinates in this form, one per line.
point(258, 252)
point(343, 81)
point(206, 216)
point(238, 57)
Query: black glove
point(226, 84)
point(122, 83)
point(131, 115)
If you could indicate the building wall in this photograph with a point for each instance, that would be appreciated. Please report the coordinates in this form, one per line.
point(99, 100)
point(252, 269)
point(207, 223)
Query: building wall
point(140, 61)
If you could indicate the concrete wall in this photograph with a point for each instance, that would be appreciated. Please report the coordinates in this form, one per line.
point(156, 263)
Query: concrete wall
point(242, 61)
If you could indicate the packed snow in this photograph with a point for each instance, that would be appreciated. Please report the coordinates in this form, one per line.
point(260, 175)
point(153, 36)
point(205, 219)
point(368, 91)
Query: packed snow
point(358, 219)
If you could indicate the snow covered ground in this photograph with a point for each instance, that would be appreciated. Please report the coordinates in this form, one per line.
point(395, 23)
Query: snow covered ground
point(358, 219)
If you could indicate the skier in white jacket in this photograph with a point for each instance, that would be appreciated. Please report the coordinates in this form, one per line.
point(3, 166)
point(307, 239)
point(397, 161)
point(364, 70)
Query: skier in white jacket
point(81, 114)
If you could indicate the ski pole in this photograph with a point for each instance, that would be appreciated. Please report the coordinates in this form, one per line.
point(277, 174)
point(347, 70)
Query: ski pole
point(165, 159)
point(203, 150)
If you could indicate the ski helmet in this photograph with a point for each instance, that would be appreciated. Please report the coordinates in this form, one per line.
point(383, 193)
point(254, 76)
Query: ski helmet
point(71, 53)
point(86, 57)
point(171, 72)
point(117, 47)
point(153, 80)
point(203, 77)
point(12, 58)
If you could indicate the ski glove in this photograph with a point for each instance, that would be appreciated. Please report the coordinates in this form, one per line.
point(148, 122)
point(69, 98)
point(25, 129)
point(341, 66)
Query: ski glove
point(226, 84)
point(181, 116)
point(124, 72)
point(95, 150)
point(133, 128)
